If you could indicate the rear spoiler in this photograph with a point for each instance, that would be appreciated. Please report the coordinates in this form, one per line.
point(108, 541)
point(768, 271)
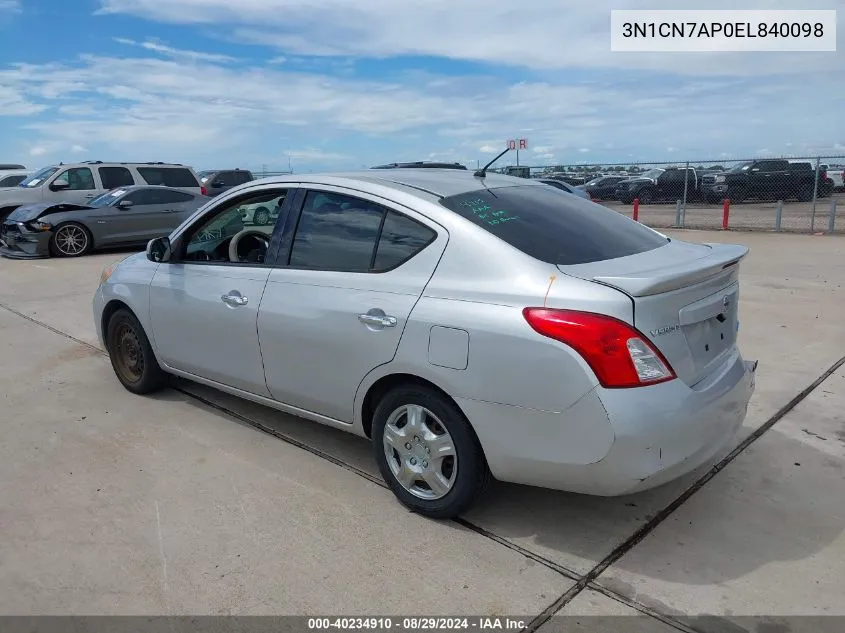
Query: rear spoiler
point(674, 274)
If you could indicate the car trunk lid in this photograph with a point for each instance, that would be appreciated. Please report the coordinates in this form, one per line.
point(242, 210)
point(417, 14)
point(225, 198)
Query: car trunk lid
point(685, 300)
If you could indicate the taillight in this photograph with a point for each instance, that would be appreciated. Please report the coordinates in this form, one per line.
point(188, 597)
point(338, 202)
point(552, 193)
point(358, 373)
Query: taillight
point(203, 190)
point(618, 354)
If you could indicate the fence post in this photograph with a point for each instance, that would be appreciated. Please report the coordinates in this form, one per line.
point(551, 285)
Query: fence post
point(778, 215)
point(726, 209)
point(678, 213)
point(815, 196)
point(682, 212)
point(636, 209)
point(831, 220)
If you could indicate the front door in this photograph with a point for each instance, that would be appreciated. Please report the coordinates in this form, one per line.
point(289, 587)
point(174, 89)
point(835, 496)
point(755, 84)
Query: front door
point(204, 302)
point(80, 190)
point(339, 296)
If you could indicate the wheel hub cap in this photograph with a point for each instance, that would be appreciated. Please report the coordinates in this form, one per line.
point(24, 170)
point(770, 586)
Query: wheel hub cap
point(420, 452)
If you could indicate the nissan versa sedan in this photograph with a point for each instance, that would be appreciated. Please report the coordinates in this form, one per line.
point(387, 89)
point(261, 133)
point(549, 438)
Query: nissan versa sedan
point(121, 217)
point(472, 325)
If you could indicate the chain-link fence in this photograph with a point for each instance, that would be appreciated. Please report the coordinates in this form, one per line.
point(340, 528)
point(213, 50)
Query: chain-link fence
point(797, 194)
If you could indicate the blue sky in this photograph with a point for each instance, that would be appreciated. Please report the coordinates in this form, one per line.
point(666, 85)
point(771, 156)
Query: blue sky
point(336, 84)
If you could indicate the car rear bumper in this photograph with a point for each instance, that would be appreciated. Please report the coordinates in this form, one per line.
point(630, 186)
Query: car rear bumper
point(658, 433)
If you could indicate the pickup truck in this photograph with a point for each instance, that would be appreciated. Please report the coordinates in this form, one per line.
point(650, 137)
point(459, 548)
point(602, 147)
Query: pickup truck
point(765, 180)
point(659, 185)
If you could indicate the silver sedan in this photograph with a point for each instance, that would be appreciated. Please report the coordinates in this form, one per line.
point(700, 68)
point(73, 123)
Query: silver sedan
point(473, 326)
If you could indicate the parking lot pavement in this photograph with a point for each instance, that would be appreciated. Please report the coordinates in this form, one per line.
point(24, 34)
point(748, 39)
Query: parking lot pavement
point(790, 311)
point(113, 503)
point(765, 536)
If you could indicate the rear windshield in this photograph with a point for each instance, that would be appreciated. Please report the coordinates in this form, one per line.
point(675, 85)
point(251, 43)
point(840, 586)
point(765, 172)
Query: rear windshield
point(553, 226)
point(168, 176)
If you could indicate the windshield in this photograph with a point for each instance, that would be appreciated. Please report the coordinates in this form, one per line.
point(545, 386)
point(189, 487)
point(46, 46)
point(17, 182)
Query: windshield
point(651, 173)
point(596, 181)
point(39, 177)
point(742, 166)
point(108, 199)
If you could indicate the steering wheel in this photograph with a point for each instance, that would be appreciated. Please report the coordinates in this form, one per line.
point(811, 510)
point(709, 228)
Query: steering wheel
point(261, 236)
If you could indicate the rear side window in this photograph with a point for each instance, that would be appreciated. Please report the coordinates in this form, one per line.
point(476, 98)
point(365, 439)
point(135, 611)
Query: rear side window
point(11, 181)
point(553, 226)
point(401, 238)
point(240, 177)
point(114, 177)
point(168, 176)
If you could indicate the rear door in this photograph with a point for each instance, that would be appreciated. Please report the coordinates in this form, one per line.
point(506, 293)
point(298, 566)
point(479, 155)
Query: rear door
point(350, 270)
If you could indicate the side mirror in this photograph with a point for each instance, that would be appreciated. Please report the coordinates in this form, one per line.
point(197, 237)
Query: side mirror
point(158, 250)
point(59, 184)
point(124, 204)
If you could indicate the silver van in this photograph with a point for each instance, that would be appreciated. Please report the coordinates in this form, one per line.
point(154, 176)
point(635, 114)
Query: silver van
point(77, 183)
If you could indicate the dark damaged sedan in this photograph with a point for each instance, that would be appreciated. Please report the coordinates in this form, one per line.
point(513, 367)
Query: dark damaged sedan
point(127, 216)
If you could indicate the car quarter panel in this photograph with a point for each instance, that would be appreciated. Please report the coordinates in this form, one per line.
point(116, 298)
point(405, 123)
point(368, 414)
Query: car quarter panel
point(129, 284)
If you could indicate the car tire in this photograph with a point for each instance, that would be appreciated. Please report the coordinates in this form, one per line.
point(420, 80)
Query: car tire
point(805, 193)
point(131, 354)
point(646, 196)
point(261, 217)
point(459, 477)
point(70, 239)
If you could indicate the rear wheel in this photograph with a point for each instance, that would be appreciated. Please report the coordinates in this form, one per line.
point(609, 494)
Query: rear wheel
point(427, 452)
point(70, 240)
point(805, 193)
point(131, 354)
point(646, 196)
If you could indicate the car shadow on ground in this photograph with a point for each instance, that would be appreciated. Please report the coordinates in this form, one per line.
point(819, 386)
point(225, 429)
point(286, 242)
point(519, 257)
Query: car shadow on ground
point(756, 494)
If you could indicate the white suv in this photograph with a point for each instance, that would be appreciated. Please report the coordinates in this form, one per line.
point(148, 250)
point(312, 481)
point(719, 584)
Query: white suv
point(79, 182)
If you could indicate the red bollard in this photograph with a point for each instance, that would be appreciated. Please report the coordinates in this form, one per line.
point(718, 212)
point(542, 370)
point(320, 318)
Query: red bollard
point(726, 209)
point(636, 209)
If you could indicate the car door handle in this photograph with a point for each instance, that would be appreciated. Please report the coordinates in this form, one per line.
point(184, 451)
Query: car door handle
point(234, 299)
point(167, 210)
point(377, 320)
point(89, 195)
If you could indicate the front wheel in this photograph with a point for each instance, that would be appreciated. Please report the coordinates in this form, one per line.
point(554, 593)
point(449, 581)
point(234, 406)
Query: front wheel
point(70, 240)
point(427, 452)
point(131, 354)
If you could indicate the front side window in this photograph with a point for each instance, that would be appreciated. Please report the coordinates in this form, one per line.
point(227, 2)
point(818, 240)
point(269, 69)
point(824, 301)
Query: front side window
point(553, 227)
point(210, 238)
point(78, 178)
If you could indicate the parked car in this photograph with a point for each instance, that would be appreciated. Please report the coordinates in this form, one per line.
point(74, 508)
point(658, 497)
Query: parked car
point(77, 183)
point(13, 177)
point(215, 181)
point(421, 164)
point(127, 216)
point(471, 326)
point(262, 212)
point(836, 173)
point(762, 179)
point(563, 186)
point(11, 167)
point(603, 187)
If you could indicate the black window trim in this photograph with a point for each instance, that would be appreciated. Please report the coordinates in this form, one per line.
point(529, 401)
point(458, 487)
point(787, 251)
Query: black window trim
point(120, 167)
point(286, 248)
point(140, 169)
point(179, 244)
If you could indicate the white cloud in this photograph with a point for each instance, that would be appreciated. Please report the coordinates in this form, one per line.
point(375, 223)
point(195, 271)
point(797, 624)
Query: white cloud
point(78, 149)
point(38, 150)
point(169, 51)
point(10, 6)
point(315, 155)
point(521, 34)
point(14, 103)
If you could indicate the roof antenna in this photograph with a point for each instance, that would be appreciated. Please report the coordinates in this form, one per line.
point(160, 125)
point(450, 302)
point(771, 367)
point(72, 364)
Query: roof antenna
point(481, 173)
